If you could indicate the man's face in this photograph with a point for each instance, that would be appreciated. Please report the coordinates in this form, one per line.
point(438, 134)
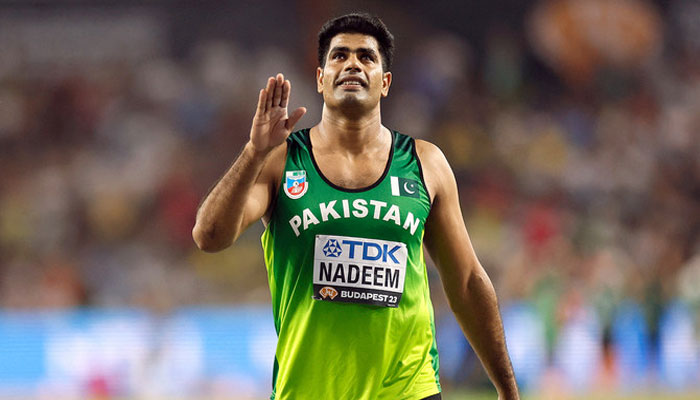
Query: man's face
point(353, 75)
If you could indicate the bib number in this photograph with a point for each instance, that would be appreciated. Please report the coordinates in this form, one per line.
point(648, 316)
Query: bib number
point(359, 270)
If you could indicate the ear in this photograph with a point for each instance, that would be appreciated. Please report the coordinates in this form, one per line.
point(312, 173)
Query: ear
point(386, 83)
point(319, 80)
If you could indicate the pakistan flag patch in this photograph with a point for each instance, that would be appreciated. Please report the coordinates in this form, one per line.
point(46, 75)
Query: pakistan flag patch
point(405, 187)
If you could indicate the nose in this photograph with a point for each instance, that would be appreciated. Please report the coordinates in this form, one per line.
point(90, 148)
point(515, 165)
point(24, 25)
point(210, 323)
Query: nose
point(352, 63)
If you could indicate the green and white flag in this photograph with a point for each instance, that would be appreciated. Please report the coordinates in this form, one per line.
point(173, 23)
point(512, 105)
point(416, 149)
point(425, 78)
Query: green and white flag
point(404, 187)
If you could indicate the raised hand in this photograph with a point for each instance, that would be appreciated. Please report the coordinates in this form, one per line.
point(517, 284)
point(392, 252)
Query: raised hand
point(271, 124)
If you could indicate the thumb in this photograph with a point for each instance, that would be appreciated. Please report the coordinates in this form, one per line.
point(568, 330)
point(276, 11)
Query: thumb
point(295, 117)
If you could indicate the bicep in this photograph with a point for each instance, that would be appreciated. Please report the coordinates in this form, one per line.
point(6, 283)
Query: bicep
point(256, 204)
point(446, 237)
point(264, 190)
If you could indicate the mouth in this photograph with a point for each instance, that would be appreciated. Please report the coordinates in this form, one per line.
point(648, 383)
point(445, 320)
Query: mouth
point(351, 83)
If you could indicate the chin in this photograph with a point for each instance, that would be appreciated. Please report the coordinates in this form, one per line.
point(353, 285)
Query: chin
point(350, 100)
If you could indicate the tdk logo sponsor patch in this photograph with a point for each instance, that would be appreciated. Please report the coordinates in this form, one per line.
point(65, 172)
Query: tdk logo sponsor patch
point(363, 250)
point(360, 270)
point(372, 251)
point(332, 248)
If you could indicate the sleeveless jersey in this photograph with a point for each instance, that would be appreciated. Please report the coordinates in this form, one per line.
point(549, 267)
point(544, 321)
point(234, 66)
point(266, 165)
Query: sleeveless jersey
point(348, 281)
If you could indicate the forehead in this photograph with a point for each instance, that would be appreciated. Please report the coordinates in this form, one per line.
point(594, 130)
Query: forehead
point(354, 41)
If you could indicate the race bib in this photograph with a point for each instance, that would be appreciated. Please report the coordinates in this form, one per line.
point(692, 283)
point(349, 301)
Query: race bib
point(359, 270)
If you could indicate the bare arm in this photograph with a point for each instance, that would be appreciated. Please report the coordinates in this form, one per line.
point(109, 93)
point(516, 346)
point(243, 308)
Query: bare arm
point(469, 291)
point(244, 193)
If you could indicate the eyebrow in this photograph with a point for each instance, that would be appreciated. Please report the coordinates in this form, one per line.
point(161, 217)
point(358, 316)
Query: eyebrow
point(358, 50)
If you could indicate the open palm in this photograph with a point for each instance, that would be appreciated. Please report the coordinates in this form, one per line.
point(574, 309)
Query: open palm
point(272, 124)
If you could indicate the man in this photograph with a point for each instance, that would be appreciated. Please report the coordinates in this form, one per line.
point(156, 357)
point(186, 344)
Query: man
point(346, 205)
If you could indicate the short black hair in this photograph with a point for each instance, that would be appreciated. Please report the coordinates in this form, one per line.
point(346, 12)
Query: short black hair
point(363, 23)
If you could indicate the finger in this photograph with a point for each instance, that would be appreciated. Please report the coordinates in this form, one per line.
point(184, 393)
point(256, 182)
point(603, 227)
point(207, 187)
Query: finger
point(286, 88)
point(262, 98)
point(295, 117)
point(279, 82)
point(270, 91)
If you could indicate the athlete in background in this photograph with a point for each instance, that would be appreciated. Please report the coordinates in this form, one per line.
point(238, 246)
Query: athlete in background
point(346, 205)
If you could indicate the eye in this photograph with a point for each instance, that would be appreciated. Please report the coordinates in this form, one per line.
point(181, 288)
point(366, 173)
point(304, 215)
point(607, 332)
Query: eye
point(337, 56)
point(367, 57)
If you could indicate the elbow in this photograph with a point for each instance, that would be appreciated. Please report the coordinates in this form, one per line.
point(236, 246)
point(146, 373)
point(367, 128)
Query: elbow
point(466, 286)
point(207, 240)
point(480, 288)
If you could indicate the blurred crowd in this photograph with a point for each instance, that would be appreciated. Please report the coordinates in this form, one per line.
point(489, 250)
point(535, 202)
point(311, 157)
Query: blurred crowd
point(579, 189)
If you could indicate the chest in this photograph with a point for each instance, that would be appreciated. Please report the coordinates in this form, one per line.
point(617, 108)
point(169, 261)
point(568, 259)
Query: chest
point(378, 195)
point(352, 172)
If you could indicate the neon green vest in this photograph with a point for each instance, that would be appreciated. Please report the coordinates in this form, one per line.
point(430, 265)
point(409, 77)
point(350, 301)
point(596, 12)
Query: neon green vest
point(348, 281)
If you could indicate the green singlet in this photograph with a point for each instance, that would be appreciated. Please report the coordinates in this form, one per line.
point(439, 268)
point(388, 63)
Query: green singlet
point(348, 281)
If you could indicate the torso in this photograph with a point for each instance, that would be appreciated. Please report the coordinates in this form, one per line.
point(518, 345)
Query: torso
point(380, 339)
point(349, 172)
point(352, 171)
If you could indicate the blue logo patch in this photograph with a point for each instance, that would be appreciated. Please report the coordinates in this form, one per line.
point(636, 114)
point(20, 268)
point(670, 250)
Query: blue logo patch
point(332, 248)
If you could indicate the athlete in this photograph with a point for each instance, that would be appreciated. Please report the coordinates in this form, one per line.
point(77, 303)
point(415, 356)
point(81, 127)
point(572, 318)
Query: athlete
point(347, 206)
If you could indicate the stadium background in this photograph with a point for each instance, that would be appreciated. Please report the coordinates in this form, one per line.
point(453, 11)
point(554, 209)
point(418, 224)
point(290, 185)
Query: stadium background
point(572, 127)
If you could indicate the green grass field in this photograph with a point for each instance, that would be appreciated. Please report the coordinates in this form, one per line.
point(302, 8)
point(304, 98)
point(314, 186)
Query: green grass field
point(463, 395)
point(492, 396)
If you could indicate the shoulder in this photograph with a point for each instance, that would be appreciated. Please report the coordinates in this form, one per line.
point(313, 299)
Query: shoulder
point(436, 169)
point(276, 160)
point(430, 154)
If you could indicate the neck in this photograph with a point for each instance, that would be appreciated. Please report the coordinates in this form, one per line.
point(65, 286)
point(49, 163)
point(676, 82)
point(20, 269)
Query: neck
point(349, 132)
